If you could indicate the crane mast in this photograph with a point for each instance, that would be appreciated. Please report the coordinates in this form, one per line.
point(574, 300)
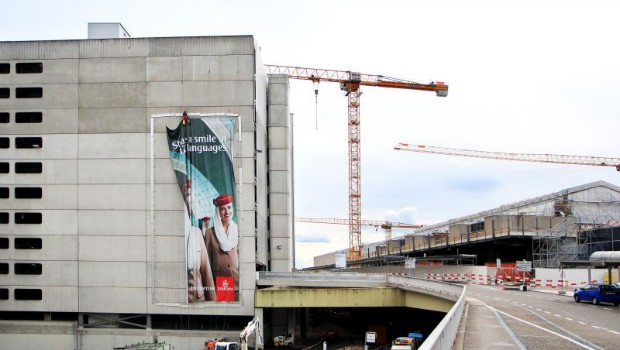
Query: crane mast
point(350, 83)
point(524, 157)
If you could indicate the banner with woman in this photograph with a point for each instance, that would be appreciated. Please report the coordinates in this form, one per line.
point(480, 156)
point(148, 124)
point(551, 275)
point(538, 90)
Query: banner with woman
point(201, 150)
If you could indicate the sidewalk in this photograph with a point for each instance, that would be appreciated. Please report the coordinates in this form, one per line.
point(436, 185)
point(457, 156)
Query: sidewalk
point(482, 334)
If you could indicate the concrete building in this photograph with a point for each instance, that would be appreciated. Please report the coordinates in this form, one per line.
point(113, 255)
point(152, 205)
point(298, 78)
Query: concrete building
point(92, 249)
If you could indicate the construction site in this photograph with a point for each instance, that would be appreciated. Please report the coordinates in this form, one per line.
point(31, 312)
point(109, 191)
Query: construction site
point(567, 225)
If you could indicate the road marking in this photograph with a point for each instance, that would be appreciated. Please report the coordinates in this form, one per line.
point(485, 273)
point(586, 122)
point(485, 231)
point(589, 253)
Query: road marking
point(581, 322)
point(614, 332)
point(547, 312)
point(570, 319)
point(597, 327)
point(544, 329)
point(606, 308)
point(556, 315)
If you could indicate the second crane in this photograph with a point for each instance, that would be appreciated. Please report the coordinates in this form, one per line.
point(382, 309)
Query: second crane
point(350, 83)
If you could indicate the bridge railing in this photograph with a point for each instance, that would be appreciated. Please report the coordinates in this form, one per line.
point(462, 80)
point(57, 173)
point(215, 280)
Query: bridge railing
point(444, 334)
point(323, 276)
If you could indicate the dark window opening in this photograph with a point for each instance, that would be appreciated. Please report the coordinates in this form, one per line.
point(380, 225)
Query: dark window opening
point(28, 218)
point(28, 243)
point(29, 68)
point(29, 92)
point(4, 192)
point(28, 142)
point(5, 117)
point(5, 68)
point(5, 142)
point(28, 294)
point(28, 167)
point(4, 294)
point(4, 218)
point(4, 243)
point(4, 268)
point(28, 192)
point(28, 117)
point(28, 269)
point(5, 92)
point(4, 167)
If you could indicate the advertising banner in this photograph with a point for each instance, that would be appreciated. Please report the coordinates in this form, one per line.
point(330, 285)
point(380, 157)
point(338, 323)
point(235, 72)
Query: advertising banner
point(202, 158)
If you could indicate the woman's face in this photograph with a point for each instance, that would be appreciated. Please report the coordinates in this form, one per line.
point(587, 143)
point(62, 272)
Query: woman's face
point(226, 212)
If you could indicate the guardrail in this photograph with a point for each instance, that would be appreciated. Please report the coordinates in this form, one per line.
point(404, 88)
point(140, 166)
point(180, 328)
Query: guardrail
point(322, 276)
point(444, 334)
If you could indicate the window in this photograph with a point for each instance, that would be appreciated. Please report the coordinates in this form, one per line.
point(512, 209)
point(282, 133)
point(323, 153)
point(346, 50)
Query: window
point(4, 192)
point(28, 192)
point(5, 142)
point(4, 294)
point(28, 243)
point(4, 218)
point(28, 167)
point(4, 167)
point(28, 269)
point(5, 92)
point(28, 117)
point(29, 68)
point(28, 294)
point(28, 142)
point(5, 68)
point(4, 268)
point(29, 92)
point(5, 117)
point(28, 218)
point(4, 243)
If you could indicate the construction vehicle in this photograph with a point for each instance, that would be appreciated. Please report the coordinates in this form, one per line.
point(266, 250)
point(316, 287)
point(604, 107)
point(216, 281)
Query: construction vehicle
point(350, 82)
point(253, 326)
point(524, 157)
point(385, 225)
point(284, 340)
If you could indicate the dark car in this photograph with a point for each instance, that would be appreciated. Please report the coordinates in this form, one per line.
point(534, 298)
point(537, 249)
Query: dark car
point(596, 293)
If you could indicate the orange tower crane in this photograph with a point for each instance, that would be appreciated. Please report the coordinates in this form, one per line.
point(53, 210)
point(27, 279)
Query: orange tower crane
point(350, 83)
point(524, 157)
point(385, 225)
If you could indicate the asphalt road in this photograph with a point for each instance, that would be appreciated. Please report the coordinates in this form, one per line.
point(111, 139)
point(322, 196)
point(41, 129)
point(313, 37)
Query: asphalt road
point(512, 319)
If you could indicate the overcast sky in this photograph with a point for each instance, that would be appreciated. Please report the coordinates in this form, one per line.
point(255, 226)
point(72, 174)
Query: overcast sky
point(524, 76)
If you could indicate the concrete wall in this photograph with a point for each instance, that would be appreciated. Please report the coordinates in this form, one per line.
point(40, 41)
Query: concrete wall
point(104, 250)
point(280, 176)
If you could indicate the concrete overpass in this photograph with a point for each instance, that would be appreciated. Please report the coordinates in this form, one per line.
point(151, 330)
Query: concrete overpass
point(328, 290)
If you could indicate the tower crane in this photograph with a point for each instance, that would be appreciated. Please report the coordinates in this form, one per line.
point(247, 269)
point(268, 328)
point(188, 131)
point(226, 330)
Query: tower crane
point(525, 157)
point(385, 225)
point(350, 82)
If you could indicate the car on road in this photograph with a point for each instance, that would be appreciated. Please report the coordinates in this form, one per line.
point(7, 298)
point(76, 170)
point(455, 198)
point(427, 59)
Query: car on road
point(597, 293)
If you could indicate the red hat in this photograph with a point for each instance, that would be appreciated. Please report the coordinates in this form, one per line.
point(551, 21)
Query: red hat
point(223, 200)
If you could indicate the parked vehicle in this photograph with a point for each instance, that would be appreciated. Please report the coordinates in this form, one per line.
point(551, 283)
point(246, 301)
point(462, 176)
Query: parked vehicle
point(596, 293)
point(284, 340)
point(227, 345)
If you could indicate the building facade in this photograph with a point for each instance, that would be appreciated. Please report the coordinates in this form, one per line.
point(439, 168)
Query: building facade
point(92, 243)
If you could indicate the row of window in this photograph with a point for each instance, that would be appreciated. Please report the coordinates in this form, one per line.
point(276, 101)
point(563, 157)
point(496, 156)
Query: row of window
point(22, 294)
point(22, 68)
point(23, 192)
point(22, 117)
point(22, 268)
point(22, 92)
point(22, 243)
point(22, 142)
point(22, 218)
point(22, 167)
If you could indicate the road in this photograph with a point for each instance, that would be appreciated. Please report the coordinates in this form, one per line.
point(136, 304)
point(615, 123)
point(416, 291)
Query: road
point(537, 320)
